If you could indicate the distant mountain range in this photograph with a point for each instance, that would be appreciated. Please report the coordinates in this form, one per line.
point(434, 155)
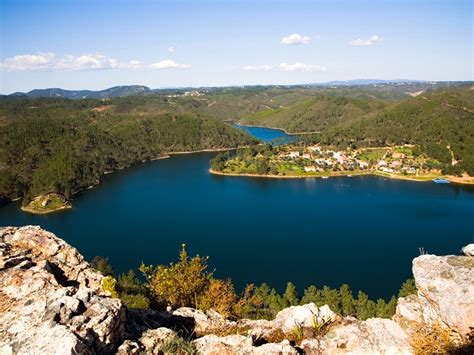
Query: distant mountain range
point(115, 91)
point(138, 90)
point(359, 82)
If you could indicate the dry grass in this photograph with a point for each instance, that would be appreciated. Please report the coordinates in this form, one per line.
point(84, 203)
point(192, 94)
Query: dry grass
point(431, 339)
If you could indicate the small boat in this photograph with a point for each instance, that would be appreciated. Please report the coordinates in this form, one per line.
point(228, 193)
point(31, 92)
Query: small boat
point(440, 181)
point(349, 175)
point(325, 177)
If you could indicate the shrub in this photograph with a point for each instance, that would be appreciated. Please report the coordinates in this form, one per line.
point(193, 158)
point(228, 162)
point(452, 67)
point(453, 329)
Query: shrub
point(137, 301)
point(219, 296)
point(180, 284)
point(108, 285)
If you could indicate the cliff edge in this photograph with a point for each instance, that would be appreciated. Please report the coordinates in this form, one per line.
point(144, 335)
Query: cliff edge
point(52, 302)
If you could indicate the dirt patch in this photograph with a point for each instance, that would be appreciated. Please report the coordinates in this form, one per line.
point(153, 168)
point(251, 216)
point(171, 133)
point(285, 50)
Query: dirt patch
point(102, 108)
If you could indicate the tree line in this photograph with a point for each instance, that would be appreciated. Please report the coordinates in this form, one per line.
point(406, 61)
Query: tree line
point(188, 283)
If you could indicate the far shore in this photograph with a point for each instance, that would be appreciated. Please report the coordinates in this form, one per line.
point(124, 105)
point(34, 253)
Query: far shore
point(453, 179)
point(276, 128)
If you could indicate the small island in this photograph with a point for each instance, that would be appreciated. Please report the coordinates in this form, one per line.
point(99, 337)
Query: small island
point(301, 161)
point(47, 203)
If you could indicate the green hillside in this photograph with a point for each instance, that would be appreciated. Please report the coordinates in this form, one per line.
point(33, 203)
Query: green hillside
point(56, 145)
point(315, 114)
point(434, 121)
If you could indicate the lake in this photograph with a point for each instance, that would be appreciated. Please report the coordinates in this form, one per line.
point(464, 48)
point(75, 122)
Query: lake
point(363, 231)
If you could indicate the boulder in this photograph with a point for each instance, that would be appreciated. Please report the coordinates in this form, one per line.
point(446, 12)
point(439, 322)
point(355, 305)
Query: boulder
point(239, 344)
point(373, 336)
point(446, 291)
point(228, 345)
point(203, 322)
point(153, 339)
point(468, 250)
point(409, 309)
point(51, 301)
point(303, 316)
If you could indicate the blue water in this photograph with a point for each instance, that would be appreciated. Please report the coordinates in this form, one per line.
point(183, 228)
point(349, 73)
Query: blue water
point(269, 135)
point(363, 231)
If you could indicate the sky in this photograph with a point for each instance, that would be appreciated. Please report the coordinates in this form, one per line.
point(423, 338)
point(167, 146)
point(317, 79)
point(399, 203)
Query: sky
point(84, 44)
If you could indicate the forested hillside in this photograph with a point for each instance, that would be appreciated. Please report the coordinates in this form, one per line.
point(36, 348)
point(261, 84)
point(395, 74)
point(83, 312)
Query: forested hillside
point(56, 145)
point(439, 122)
point(60, 145)
point(315, 114)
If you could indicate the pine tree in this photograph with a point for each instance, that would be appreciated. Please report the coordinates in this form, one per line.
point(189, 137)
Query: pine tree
point(290, 294)
point(347, 300)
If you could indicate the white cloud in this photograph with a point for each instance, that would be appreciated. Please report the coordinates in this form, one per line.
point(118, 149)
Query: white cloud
point(169, 64)
point(295, 38)
point(86, 62)
point(258, 67)
point(301, 67)
point(28, 62)
point(366, 42)
point(49, 61)
point(171, 49)
point(134, 64)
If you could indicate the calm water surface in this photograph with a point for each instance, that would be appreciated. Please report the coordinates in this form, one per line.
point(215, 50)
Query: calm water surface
point(363, 231)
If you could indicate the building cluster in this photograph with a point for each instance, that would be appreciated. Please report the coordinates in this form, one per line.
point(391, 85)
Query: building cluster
point(319, 159)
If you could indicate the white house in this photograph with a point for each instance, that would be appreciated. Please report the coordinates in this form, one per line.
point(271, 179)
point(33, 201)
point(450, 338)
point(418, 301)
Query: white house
point(363, 164)
point(309, 169)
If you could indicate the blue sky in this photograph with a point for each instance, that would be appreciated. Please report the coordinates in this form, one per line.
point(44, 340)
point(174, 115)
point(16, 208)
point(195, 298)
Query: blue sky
point(97, 44)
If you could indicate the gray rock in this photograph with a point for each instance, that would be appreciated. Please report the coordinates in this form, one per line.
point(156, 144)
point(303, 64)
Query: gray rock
point(204, 322)
point(373, 336)
point(303, 316)
point(239, 344)
point(446, 291)
point(51, 301)
point(468, 250)
point(153, 339)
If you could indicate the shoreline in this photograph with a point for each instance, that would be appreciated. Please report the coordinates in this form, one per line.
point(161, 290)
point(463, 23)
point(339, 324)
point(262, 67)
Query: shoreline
point(108, 172)
point(345, 174)
point(33, 211)
point(278, 129)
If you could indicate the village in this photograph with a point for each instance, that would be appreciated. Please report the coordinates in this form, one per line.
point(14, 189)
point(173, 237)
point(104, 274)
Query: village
point(391, 160)
point(315, 160)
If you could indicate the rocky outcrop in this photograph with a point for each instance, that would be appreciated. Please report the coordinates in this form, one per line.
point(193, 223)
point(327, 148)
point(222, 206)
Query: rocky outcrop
point(239, 344)
point(468, 250)
point(445, 293)
point(373, 336)
point(52, 302)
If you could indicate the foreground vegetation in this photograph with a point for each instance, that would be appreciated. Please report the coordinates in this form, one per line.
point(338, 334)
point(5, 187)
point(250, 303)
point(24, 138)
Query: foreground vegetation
point(188, 283)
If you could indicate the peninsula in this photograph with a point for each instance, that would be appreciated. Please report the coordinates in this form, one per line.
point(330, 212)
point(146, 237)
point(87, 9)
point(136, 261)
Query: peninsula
point(298, 160)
